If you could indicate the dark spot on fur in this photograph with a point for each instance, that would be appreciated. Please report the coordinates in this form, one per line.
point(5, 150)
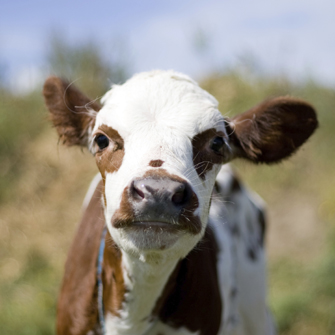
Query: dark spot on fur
point(232, 320)
point(235, 230)
point(156, 163)
point(233, 293)
point(250, 226)
point(217, 187)
point(236, 186)
point(262, 225)
point(252, 254)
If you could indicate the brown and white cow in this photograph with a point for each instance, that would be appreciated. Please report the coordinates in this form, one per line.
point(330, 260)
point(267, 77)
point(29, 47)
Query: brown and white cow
point(184, 244)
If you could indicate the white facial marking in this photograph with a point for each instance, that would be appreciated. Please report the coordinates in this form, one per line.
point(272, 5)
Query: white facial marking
point(157, 114)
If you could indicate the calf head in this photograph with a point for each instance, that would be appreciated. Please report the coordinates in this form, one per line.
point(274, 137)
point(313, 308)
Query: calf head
point(159, 142)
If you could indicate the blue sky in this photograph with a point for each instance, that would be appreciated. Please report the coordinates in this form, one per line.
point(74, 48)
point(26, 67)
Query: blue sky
point(296, 37)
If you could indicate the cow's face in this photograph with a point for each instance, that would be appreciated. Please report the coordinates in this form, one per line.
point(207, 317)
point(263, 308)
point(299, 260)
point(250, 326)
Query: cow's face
point(159, 141)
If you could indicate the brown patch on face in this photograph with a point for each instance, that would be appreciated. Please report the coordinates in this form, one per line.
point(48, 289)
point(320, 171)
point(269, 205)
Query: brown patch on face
point(125, 215)
point(203, 156)
point(191, 297)
point(70, 111)
point(272, 130)
point(156, 163)
point(110, 158)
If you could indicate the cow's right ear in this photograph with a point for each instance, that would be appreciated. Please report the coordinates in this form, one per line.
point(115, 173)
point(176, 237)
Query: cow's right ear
point(72, 113)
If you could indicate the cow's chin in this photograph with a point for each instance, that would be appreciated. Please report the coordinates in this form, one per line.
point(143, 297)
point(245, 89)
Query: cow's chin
point(153, 237)
point(156, 238)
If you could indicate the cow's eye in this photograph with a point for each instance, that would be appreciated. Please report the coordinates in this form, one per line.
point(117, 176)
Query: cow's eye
point(217, 144)
point(102, 141)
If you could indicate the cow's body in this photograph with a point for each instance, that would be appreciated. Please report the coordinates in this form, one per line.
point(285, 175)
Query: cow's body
point(228, 264)
point(184, 247)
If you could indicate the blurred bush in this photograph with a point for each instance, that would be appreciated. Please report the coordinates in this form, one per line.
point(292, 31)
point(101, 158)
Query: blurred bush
point(301, 197)
point(43, 184)
point(21, 119)
point(85, 63)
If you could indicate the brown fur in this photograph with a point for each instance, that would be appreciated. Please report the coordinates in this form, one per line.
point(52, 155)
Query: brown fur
point(77, 304)
point(156, 163)
point(77, 311)
point(203, 157)
point(113, 281)
point(69, 111)
point(110, 159)
point(272, 130)
point(191, 298)
point(125, 215)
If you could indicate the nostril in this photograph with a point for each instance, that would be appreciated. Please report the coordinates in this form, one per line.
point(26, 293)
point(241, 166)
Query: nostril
point(180, 196)
point(161, 191)
point(137, 193)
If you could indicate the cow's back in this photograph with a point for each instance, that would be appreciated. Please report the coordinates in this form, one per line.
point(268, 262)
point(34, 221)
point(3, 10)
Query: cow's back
point(238, 220)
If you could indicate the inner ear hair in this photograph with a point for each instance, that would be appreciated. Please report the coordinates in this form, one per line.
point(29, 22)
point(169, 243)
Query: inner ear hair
point(272, 130)
point(72, 113)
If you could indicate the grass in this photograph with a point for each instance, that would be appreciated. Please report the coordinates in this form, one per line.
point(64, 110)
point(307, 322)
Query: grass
point(43, 184)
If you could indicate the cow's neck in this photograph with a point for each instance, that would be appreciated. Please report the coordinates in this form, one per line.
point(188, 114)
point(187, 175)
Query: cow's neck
point(132, 287)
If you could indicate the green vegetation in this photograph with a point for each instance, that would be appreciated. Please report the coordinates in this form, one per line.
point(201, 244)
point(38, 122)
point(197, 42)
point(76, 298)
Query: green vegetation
point(302, 242)
point(20, 122)
point(86, 64)
point(42, 186)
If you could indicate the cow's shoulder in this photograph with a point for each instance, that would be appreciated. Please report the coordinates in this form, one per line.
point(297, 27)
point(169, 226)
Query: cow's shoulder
point(77, 306)
point(191, 302)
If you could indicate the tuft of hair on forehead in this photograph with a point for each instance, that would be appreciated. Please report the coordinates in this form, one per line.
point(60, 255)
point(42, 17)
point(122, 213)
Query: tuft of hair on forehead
point(161, 73)
point(160, 80)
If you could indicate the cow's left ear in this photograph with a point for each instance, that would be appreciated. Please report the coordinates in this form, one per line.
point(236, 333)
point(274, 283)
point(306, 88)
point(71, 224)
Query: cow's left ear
point(272, 130)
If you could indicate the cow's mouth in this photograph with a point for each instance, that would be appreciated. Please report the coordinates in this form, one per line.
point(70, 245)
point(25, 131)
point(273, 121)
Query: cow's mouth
point(157, 226)
point(154, 235)
point(169, 225)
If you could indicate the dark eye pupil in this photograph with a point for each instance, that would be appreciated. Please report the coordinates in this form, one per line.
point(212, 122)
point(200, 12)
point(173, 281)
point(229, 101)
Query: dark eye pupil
point(217, 144)
point(102, 141)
